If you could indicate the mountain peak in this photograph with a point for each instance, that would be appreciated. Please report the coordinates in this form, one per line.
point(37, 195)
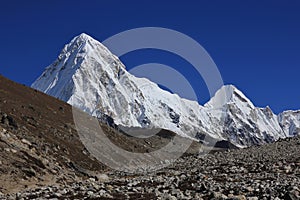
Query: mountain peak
point(83, 37)
point(82, 52)
point(88, 76)
point(83, 43)
point(228, 89)
point(227, 94)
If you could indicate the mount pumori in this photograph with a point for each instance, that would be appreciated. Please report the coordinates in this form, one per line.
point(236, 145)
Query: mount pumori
point(88, 76)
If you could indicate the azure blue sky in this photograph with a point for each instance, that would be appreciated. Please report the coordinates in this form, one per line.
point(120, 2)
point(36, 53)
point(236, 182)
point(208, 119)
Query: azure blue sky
point(255, 44)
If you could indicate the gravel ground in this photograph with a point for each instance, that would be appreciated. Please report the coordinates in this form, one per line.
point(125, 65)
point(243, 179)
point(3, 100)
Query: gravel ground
point(271, 171)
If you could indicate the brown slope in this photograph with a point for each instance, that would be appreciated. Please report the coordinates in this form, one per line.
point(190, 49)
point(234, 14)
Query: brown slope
point(39, 138)
point(39, 143)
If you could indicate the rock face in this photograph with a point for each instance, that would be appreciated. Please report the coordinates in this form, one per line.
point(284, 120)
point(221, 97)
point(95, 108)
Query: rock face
point(88, 76)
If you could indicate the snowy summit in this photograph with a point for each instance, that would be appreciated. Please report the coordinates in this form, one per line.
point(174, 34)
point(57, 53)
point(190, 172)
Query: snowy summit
point(88, 76)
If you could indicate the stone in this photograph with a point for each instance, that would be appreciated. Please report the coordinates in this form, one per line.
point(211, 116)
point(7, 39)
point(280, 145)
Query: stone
point(57, 195)
point(109, 187)
point(90, 193)
point(102, 177)
point(106, 195)
point(249, 189)
point(13, 150)
point(218, 195)
point(252, 198)
point(24, 141)
point(102, 192)
point(166, 196)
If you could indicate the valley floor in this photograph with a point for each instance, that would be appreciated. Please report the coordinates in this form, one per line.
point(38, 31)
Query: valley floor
point(271, 171)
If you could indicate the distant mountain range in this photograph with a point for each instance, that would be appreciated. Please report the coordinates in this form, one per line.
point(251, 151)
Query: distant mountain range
point(88, 76)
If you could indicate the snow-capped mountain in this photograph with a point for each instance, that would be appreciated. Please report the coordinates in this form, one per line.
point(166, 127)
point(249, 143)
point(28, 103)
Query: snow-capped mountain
point(88, 76)
point(241, 120)
point(290, 122)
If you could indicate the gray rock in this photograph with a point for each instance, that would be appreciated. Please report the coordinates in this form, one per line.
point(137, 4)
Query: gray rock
point(219, 196)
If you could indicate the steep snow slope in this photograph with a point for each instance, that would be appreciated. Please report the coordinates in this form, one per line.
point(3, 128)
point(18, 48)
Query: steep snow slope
point(242, 122)
point(88, 76)
point(290, 122)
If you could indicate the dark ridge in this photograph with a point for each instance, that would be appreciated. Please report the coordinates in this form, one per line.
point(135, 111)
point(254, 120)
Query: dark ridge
point(239, 96)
